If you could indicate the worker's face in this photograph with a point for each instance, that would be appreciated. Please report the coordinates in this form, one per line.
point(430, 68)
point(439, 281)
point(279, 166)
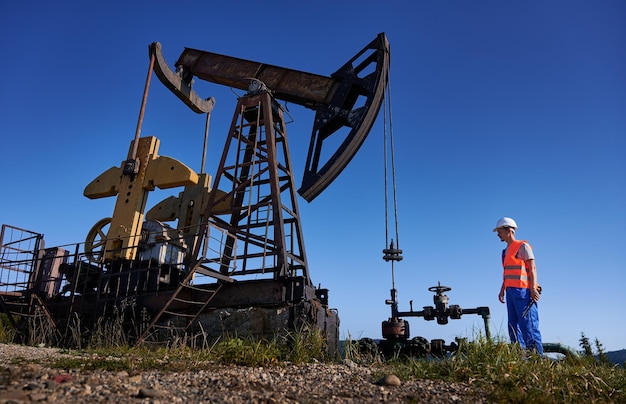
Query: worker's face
point(504, 233)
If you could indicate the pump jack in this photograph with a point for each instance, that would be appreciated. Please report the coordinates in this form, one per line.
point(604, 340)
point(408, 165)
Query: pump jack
point(235, 262)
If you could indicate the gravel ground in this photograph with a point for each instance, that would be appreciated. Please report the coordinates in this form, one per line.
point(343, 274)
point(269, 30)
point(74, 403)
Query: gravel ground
point(309, 383)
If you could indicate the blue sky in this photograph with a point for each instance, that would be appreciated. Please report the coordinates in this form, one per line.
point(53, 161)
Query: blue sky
point(499, 109)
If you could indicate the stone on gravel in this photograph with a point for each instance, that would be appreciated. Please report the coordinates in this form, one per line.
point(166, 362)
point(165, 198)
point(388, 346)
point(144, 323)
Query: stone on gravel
point(389, 380)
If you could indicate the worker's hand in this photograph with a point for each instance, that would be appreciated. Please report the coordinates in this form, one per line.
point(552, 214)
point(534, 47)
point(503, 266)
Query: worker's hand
point(534, 295)
point(501, 296)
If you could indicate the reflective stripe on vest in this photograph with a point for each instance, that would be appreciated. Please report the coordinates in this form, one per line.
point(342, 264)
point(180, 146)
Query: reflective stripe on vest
point(515, 275)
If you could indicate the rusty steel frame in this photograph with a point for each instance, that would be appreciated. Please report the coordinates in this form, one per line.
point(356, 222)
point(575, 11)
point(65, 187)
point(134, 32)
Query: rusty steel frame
point(256, 179)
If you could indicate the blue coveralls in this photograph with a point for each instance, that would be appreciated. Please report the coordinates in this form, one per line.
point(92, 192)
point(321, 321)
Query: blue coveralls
point(522, 330)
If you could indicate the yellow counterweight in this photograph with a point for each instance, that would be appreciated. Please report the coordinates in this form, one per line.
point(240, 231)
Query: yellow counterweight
point(132, 194)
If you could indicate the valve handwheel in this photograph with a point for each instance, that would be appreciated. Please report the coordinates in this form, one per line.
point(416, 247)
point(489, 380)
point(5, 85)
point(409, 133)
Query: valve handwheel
point(95, 242)
point(439, 289)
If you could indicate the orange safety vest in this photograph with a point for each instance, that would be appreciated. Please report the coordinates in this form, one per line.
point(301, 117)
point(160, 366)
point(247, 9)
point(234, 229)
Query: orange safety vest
point(515, 275)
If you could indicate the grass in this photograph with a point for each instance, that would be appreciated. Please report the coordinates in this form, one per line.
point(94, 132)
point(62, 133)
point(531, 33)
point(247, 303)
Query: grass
point(295, 348)
point(502, 371)
point(508, 374)
point(106, 348)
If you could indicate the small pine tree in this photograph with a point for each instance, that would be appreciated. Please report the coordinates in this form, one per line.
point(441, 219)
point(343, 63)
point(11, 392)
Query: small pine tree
point(585, 345)
point(600, 350)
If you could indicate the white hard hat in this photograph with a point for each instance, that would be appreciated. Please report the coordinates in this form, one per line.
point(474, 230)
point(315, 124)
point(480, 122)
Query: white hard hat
point(505, 222)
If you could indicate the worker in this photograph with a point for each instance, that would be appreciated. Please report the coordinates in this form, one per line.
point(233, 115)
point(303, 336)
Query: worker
point(520, 287)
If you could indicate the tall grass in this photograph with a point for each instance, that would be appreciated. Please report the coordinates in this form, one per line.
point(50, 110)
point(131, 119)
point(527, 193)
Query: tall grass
point(295, 347)
point(108, 345)
point(7, 332)
point(506, 373)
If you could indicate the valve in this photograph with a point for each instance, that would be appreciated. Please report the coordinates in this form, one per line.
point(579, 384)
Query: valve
point(395, 328)
point(429, 313)
point(441, 302)
point(455, 311)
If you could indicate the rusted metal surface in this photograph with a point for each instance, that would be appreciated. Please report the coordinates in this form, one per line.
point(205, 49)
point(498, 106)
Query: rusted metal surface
point(265, 292)
point(295, 86)
point(132, 158)
point(255, 175)
point(180, 86)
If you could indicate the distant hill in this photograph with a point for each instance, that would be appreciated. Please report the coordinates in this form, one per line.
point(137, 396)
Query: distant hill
point(617, 357)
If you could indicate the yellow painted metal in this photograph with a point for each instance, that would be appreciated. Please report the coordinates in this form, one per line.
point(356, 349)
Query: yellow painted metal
point(193, 203)
point(132, 194)
point(166, 210)
point(165, 172)
point(107, 184)
point(189, 208)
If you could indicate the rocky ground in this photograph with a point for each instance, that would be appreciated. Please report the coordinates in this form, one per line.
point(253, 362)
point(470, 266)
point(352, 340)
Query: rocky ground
point(348, 382)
